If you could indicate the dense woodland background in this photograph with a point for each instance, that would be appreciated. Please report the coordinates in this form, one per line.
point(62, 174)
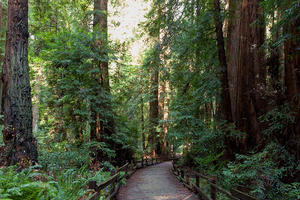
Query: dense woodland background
point(218, 82)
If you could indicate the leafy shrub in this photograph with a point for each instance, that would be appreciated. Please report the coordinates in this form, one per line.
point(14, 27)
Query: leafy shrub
point(22, 186)
point(64, 156)
point(263, 172)
point(32, 184)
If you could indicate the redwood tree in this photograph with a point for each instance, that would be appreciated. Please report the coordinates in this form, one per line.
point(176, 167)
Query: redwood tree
point(246, 70)
point(225, 105)
point(102, 115)
point(292, 82)
point(16, 92)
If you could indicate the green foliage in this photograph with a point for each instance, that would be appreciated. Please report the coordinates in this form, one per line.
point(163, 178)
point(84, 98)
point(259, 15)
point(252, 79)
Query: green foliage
point(16, 185)
point(277, 119)
point(34, 184)
point(71, 83)
point(183, 50)
point(64, 156)
point(262, 172)
point(188, 48)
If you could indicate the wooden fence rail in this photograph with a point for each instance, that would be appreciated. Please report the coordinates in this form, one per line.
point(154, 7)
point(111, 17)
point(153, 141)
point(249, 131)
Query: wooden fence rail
point(112, 185)
point(184, 174)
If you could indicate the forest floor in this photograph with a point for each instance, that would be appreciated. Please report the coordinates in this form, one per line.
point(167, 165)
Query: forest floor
point(155, 183)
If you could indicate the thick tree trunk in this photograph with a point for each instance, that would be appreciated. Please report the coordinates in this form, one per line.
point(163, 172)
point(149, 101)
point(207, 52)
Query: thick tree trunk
point(233, 47)
point(292, 83)
point(252, 71)
point(1, 59)
point(1, 16)
point(246, 70)
point(20, 143)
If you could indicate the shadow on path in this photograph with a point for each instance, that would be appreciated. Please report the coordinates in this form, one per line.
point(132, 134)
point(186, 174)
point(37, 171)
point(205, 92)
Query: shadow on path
point(155, 183)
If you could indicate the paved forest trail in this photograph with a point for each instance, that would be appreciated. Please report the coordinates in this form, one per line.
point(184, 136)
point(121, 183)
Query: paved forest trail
point(155, 183)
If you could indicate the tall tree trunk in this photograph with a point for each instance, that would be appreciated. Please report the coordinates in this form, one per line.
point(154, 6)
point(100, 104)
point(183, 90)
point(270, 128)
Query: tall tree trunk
point(292, 82)
point(233, 47)
point(156, 104)
point(20, 143)
point(165, 126)
point(225, 107)
point(103, 125)
point(1, 84)
point(252, 71)
point(35, 106)
point(1, 16)
point(143, 124)
point(161, 94)
point(153, 111)
point(100, 25)
point(246, 70)
point(225, 104)
point(274, 60)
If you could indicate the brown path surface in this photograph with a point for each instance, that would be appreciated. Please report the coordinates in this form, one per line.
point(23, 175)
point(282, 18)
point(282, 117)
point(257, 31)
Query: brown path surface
point(155, 183)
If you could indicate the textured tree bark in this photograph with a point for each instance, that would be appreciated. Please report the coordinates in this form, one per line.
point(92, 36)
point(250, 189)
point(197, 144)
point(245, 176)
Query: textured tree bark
point(225, 104)
point(232, 49)
point(100, 23)
point(292, 82)
point(21, 146)
point(1, 84)
point(1, 16)
point(252, 71)
point(246, 70)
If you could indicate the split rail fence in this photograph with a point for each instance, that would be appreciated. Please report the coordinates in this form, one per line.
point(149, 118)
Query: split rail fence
point(185, 174)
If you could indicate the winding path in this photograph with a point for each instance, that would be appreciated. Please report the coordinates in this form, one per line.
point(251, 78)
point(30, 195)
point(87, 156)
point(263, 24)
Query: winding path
point(154, 183)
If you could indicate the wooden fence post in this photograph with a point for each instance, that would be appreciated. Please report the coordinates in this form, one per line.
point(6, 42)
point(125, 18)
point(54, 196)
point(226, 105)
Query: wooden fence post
point(213, 190)
point(187, 176)
point(131, 165)
point(197, 181)
point(182, 174)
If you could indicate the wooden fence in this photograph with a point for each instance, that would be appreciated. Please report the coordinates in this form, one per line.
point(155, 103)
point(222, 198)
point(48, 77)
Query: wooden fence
point(112, 185)
point(185, 174)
